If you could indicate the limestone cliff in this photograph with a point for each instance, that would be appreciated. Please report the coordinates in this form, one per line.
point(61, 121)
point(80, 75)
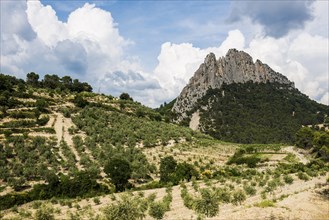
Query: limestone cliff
point(235, 67)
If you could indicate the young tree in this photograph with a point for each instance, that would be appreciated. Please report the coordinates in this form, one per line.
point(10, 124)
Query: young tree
point(119, 171)
point(208, 204)
point(167, 169)
point(185, 171)
point(126, 209)
point(41, 105)
point(32, 79)
point(157, 210)
point(79, 101)
point(51, 81)
point(45, 212)
point(125, 96)
point(304, 137)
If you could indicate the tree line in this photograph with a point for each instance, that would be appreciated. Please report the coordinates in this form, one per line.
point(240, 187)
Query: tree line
point(8, 83)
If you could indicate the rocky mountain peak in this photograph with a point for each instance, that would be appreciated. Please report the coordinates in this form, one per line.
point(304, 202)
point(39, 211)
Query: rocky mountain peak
point(210, 58)
point(236, 67)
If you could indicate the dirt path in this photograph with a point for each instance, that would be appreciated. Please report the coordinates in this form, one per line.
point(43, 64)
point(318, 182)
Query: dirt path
point(300, 156)
point(61, 127)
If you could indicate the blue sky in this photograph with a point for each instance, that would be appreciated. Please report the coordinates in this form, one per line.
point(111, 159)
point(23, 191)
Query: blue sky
point(150, 49)
point(150, 23)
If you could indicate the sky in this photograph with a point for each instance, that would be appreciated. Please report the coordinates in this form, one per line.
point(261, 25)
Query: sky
point(151, 49)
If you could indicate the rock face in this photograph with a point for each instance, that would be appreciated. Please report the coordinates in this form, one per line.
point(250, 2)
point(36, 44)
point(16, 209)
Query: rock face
point(235, 67)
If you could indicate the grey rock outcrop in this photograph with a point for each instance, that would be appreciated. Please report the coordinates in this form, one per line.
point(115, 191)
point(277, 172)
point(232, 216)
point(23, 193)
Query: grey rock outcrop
point(235, 67)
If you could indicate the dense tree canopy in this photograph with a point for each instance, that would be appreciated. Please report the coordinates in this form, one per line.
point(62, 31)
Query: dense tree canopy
point(119, 171)
point(257, 113)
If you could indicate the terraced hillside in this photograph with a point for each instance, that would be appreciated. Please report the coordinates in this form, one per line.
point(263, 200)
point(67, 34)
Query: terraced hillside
point(60, 149)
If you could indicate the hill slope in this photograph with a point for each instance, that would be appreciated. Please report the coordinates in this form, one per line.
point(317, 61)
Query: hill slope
point(234, 99)
point(257, 112)
point(64, 145)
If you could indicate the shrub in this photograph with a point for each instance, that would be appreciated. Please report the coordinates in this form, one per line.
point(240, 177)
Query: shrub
point(119, 171)
point(265, 204)
point(288, 179)
point(167, 169)
point(224, 195)
point(303, 176)
point(185, 171)
point(44, 213)
point(250, 190)
point(157, 210)
point(238, 197)
point(126, 209)
point(97, 201)
point(43, 120)
point(208, 204)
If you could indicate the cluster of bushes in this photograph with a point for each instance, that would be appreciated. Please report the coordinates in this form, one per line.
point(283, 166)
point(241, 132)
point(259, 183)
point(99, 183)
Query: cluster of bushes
point(318, 140)
point(208, 202)
point(135, 207)
point(171, 172)
point(121, 129)
point(27, 158)
point(82, 184)
point(21, 114)
point(251, 160)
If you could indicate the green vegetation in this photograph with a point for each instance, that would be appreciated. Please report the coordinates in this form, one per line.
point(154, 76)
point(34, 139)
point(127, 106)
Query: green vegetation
point(265, 204)
point(207, 204)
point(119, 171)
point(104, 145)
point(127, 208)
point(316, 140)
point(251, 155)
point(45, 213)
point(172, 172)
point(258, 113)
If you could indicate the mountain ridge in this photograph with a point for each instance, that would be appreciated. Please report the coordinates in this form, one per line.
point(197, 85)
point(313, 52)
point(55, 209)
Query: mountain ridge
point(235, 67)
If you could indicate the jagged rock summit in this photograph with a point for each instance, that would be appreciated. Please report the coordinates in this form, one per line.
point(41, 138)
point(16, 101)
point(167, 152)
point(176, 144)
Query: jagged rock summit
point(235, 67)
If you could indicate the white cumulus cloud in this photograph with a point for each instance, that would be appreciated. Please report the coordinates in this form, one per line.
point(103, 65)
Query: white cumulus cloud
point(301, 55)
point(178, 62)
point(87, 46)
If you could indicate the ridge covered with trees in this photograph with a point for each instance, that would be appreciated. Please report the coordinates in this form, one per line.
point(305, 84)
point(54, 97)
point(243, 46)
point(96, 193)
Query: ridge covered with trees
point(257, 113)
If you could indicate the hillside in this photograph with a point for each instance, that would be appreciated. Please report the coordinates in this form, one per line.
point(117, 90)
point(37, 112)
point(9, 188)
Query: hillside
point(68, 153)
point(234, 99)
point(257, 113)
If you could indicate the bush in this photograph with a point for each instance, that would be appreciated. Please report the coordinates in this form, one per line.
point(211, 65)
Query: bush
point(185, 171)
point(157, 210)
point(288, 179)
point(250, 190)
point(79, 101)
point(239, 158)
point(126, 209)
point(303, 176)
point(43, 120)
point(238, 197)
point(167, 169)
point(208, 204)
point(304, 137)
point(224, 195)
point(97, 201)
point(44, 213)
point(119, 171)
point(265, 204)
